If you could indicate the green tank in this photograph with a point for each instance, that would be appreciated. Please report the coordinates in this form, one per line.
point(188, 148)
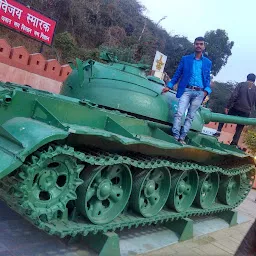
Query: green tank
point(99, 157)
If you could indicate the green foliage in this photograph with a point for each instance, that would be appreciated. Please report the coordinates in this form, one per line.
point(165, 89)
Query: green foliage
point(218, 49)
point(250, 139)
point(123, 54)
point(68, 49)
point(115, 24)
point(221, 93)
point(86, 26)
point(66, 45)
point(175, 48)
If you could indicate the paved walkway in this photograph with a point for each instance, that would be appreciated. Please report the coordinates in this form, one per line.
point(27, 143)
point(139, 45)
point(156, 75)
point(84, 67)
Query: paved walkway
point(223, 242)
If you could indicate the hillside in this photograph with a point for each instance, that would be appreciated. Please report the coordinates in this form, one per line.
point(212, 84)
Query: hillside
point(84, 27)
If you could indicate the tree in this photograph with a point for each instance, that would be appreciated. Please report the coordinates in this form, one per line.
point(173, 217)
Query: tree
point(175, 48)
point(66, 46)
point(250, 138)
point(221, 93)
point(218, 49)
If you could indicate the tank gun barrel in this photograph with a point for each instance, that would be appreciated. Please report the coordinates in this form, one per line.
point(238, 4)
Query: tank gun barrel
point(209, 116)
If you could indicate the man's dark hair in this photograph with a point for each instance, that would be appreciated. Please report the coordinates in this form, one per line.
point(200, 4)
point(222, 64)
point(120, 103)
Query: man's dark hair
point(251, 77)
point(200, 38)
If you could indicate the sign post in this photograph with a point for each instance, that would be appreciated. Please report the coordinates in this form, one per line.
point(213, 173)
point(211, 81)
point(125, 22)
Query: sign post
point(27, 21)
point(41, 47)
point(159, 64)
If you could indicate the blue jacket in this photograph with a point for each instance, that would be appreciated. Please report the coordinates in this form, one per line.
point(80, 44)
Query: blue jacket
point(184, 72)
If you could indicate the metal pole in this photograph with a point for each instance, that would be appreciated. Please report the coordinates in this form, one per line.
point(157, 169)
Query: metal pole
point(41, 47)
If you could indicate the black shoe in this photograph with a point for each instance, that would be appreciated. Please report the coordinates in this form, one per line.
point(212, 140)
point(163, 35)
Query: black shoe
point(217, 134)
point(234, 144)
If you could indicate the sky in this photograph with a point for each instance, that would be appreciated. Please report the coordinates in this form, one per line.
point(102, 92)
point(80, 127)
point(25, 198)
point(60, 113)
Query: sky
point(193, 18)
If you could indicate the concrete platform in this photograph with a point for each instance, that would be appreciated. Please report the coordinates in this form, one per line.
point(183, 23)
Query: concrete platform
point(20, 238)
point(147, 239)
point(219, 243)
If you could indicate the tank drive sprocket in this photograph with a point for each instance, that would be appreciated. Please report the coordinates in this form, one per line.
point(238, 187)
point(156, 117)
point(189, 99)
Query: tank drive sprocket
point(47, 182)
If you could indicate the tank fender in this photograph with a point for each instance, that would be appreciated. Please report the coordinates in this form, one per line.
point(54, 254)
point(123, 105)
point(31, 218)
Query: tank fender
point(19, 137)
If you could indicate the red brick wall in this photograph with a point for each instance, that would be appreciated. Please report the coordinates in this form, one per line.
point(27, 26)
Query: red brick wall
point(227, 133)
point(231, 128)
point(17, 65)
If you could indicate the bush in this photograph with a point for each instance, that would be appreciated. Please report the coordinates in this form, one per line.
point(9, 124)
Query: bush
point(250, 139)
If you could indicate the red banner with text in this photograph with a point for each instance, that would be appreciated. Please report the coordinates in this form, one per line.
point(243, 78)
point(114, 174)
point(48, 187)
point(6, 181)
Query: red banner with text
point(25, 20)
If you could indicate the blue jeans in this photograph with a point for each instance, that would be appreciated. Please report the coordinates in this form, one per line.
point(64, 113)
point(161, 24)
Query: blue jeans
point(190, 100)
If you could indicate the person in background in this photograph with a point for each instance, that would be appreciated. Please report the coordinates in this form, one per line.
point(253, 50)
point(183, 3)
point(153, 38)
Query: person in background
point(241, 103)
point(194, 85)
point(248, 245)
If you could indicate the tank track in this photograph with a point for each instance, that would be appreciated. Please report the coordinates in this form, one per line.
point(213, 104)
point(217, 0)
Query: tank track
point(10, 191)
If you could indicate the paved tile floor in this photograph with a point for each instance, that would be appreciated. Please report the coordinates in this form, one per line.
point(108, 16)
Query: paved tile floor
point(19, 238)
point(223, 242)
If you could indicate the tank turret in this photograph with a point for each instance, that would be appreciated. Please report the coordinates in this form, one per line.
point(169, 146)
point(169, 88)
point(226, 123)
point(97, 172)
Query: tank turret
point(126, 87)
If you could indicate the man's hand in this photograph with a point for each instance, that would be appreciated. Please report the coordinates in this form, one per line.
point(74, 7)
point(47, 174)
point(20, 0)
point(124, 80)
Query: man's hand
point(165, 89)
point(226, 110)
point(205, 93)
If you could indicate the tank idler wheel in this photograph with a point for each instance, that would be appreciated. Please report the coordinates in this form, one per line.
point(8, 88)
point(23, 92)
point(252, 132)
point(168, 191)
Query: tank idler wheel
point(49, 182)
point(207, 189)
point(104, 193)
point(183, 190)
point(150, 190)
point(229, 189)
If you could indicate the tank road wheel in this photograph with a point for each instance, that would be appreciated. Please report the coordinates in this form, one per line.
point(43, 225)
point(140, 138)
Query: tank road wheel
point(207, 189)
point(229, 189)
point(150, 191)
point(104, 193)
point(183, 190)
point(49, 182)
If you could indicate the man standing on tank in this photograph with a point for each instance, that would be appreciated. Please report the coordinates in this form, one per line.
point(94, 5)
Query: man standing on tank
point(194, 74)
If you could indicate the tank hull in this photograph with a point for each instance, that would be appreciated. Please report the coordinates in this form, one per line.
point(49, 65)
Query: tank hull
point(73, 167)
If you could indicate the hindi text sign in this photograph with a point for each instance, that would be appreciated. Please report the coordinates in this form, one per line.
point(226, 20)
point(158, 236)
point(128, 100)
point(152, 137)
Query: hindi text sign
point(27, 21)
